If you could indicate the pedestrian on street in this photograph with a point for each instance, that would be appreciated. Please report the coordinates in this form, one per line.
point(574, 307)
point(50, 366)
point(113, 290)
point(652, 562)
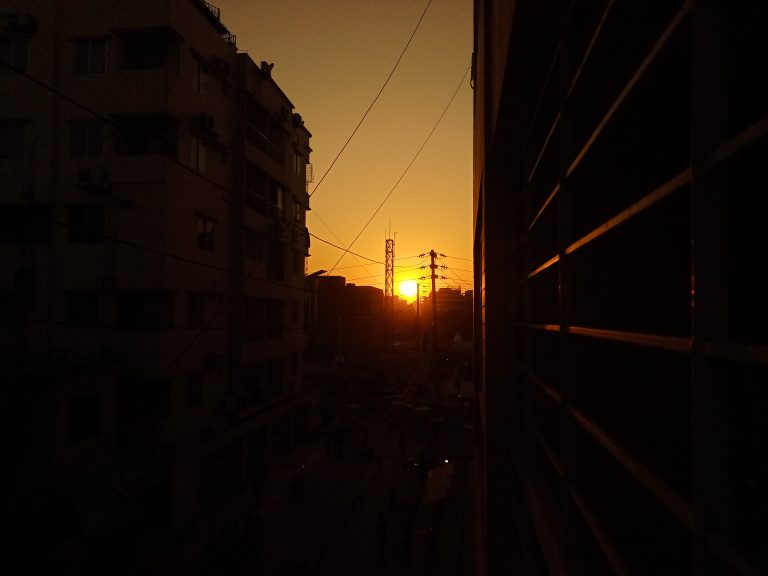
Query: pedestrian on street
point(381, 538)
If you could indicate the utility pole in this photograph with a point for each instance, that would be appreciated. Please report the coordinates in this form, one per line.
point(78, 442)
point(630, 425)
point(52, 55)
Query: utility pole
point(418, 297)
point(433, 267)
point(435, 367)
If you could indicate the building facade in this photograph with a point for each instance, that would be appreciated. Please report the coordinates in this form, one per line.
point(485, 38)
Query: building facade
point(621, 363)
point(152, 241)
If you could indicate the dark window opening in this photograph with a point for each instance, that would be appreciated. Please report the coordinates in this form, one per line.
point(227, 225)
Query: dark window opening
point(149, 51)
point(194, 390)
point(275, 318)
point(86, 224)
point(13, 139)
point(200, 76)
point(255, 245)
point(197, 154)
point(82, 307)
point(205, 233)
point(86, 139)
point(264, 132)
point(298, 262)
point(262, 381)
point(139, 135)
point(145, 310)
point(14, 51)
point(83, 418)
point(89, 56)
point(21, 224)
point(276, 261)
point(263, 318)
point(195, 310)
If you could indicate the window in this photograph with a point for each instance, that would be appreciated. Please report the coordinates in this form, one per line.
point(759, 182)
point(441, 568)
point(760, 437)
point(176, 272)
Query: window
point(20, 224)
point(205, 233)
point(86, 224)
point(89, 56)
point(298, 210)
point(195, 310)
point(275, 318)
point(146, 134)
point(86, 139)
point(149, 51)
point(13, 139)
point(298, 163)
point(276, 198)
point(256, 188)
point(263, 318)
point(262, 381)
point(275, 261)
point(194, 390)
point(255, 245)
point(14, 51)
point(197, 156)
point(83, 417)
point(298, 262)
point(82, 307)
point(264, 132)
point(200, 76)
point(145, 310)
point(254, 324)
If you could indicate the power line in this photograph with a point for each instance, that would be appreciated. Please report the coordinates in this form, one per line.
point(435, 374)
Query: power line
point(345, 251)
point(109, 121)
point(457, 258)
point(407, 168)
point(374, 100)
point(339, 240)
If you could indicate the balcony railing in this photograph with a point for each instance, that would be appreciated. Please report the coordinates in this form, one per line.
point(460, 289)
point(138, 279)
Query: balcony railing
point(215, 10)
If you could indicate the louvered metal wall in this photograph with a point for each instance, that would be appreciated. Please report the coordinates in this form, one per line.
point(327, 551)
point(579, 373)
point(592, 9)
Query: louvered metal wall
point(621, 216)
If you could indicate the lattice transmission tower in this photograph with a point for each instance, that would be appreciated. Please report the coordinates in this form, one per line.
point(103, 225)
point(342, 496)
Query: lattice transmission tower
point(389, 270)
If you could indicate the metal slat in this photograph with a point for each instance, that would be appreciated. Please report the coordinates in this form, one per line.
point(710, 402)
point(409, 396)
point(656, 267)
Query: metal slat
point(644, 65)
point(736, 352)
point(641, 205)
point(600, 534)
point(666, 495)
point(732, 147)
point(671, 343)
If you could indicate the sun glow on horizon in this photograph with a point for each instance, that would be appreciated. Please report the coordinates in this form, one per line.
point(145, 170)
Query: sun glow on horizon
point(408, 288)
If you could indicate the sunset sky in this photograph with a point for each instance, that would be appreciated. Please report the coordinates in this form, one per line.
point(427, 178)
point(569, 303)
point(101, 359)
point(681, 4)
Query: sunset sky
point(331, 57)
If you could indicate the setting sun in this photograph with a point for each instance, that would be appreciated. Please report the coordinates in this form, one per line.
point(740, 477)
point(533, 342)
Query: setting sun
point(408, 288)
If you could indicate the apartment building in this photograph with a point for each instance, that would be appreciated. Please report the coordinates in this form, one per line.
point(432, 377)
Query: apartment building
point(619, 148)
point(152, 247)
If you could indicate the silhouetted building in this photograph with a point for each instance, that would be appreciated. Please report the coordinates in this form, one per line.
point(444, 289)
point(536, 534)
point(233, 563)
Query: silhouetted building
point(152, 248)
point(620, 323)
point(454, 314)
point(348, 319)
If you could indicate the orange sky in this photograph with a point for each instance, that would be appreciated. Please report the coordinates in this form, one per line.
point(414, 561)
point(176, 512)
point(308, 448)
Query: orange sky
point(331, 58)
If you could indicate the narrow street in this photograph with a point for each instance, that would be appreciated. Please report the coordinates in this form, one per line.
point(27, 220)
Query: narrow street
point(358, 511)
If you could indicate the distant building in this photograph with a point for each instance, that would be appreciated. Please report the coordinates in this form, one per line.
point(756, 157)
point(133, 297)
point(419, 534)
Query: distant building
point(620, 343)
point(152, 249)
point(348, 319)
point(454, 314)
